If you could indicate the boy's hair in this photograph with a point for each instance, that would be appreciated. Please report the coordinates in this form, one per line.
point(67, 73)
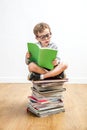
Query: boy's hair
point(40, 27)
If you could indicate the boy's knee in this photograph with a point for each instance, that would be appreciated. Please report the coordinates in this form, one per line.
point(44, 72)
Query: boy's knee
point(31, 67)
point(64, 66)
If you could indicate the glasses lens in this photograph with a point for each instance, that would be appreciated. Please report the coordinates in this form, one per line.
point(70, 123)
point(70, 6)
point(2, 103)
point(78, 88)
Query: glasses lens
point(43, 37)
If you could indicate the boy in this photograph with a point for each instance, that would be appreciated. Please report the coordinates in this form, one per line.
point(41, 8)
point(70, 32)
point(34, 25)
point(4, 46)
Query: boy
point(43, 35)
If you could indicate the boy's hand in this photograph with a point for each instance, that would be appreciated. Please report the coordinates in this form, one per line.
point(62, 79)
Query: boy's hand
point(55, 62)
point(28, 55)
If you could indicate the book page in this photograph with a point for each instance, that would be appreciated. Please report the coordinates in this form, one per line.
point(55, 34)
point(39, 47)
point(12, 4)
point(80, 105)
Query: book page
point(46, 57)
point(34, 50)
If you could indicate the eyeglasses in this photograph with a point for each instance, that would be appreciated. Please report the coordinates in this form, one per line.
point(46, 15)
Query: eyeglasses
point(43, 37)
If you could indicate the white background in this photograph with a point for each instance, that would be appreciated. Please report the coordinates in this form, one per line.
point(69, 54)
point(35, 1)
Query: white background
point(68, 21)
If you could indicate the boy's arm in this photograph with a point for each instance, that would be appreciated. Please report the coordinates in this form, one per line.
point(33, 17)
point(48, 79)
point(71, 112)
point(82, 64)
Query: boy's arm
point(27, 58)
point(27, 61)
point(56, 61)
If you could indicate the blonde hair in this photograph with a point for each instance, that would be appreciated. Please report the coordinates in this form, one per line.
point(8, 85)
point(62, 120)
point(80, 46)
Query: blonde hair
point(40, 27)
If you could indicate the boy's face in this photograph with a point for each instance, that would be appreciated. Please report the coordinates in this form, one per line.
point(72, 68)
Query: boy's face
point(44, 37)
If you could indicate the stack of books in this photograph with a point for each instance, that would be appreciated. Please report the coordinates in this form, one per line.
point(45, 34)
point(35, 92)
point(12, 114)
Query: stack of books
point(47, 97)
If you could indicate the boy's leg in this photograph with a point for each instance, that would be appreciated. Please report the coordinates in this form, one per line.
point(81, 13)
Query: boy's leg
point(41, 73)
point(36, 69)
point(56, 71)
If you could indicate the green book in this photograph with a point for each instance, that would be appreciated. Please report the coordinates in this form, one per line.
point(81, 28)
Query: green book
point(42, 56)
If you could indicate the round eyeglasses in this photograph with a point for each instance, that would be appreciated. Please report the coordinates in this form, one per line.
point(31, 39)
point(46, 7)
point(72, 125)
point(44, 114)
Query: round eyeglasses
point(43, 37)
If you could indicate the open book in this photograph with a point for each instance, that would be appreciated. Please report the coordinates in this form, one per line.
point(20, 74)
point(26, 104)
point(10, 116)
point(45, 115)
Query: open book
point(42, 56)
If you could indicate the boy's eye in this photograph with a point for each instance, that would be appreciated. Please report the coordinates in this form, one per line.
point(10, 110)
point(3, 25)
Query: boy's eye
point(45, 36)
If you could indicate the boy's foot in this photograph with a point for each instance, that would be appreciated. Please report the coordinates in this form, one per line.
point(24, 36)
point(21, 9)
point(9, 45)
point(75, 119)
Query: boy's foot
point(34, 76)
point(28, 77)
point(60, 76)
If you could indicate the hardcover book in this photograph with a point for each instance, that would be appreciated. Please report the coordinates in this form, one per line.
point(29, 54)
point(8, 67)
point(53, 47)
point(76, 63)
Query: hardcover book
point(41, 55)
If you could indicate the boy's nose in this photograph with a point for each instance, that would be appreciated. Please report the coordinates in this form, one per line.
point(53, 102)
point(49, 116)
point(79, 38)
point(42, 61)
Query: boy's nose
point(46, 37)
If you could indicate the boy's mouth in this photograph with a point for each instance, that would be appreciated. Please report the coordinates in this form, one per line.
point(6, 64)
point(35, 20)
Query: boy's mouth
point(46, 42)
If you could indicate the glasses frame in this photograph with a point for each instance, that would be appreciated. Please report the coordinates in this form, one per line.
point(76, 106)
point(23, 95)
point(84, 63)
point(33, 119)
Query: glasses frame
point(43, 37)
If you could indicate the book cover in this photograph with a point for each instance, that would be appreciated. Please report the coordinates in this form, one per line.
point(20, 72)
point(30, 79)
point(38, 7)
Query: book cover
point(42, 56)
point(41, 82)
point(49, 91)
point(42, 113)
